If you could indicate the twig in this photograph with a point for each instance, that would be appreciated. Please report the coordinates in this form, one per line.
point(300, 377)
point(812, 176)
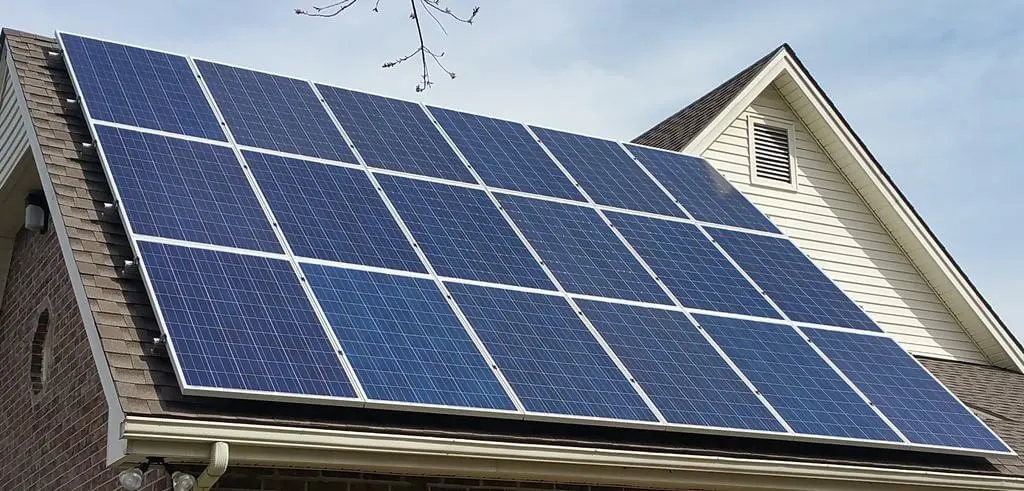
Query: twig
point(318, 11)
point(429, 6)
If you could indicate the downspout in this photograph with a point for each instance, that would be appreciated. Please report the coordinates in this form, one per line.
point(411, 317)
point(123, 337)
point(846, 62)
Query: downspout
point(216, 468)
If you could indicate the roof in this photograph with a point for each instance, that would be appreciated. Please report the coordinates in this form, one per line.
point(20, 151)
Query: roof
point(677, 130)
point(145, 383)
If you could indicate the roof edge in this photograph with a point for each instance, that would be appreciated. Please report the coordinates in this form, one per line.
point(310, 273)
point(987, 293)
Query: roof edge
point(189, 441)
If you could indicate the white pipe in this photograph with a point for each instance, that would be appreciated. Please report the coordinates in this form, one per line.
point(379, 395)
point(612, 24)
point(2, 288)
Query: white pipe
point(218, 464)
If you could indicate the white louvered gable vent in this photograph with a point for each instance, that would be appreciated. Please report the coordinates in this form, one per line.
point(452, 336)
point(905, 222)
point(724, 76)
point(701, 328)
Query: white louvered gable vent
point(771, 152)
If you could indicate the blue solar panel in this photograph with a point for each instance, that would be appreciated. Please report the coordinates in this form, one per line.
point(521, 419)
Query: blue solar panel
point(582, 251)
point(185, 190)
point(687, 379)
point(607, 173)
point(798, 383)
point(274, 112)
point(139, 87)
point(554, 364)
point(394, 134)
point(918, 405)
point(241, 322)
point(333, 213)
point(462, 233)
point(694, 270)
point(403, 340)
point(701, 189)
point(791, 280)
point(505, 154)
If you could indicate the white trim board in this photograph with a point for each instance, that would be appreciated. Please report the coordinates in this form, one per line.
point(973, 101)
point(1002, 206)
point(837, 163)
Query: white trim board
point(892, 210)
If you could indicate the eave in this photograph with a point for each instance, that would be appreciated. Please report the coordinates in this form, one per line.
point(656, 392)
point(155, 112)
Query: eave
point(189, 441)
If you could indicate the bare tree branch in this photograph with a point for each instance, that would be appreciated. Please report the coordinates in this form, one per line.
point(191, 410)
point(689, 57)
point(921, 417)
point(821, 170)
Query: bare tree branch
point(338, 6)
point(431, 7)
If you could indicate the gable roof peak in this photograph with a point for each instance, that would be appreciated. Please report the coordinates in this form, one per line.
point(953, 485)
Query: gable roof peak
point(679, 129)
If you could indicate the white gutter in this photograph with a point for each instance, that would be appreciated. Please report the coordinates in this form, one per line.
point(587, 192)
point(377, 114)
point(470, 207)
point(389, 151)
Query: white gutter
point(259, 445)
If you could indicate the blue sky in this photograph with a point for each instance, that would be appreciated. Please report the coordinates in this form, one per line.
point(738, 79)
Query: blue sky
point(932, 87)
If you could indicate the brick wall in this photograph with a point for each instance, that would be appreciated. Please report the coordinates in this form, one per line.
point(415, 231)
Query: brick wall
point(55, 439)
point(249, 479)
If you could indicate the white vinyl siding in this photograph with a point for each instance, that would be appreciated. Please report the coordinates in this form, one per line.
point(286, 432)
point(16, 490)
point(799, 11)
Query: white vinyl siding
point(830, 221)
point(13, 136)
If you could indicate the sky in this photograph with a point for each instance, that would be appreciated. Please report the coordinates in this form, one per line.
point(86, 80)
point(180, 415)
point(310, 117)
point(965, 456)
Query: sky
point(933, 88)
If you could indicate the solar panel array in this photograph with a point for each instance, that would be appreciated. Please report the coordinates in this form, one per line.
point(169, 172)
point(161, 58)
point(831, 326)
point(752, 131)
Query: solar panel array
point(314, 244)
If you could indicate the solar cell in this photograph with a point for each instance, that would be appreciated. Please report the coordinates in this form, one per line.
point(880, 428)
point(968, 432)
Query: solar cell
point(798, 383)
point(687, 379)
point(394, 134)
point(505, 154)
point(693, 269)
point(403, 339)
point(791, 280)
point(701, 189)
point(140, 87)
point(241, 322)
point(582, 251)
point(462, 233)
point(331, 212)
point(274, 112)
point(607, 173)
point(185, 190)
point(553, 362)
point(911, 398)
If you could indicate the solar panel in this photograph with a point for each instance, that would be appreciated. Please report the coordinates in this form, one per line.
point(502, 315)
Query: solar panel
point(701, 189)
point(394, 134)
point(694, 270)
point(241, 322)
point(403, 339)
point(607, 173)
point(796, 285)
point(682, 373)
point(140, 87)
point(358, 229)
point(908, 395)
point(274, 112)
point(505, 154)
point(462, 233)
point(552, 361)
point(801, 386)
point(279, 271)
point(185, 190)
point(583, 253)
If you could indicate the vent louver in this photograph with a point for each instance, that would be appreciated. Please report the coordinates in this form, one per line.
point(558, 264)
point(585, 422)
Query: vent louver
point(772, 153)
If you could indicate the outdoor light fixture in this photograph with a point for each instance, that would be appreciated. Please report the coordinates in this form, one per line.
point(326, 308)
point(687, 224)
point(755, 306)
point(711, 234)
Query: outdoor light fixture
point(35, 211)
point(183, 481)
point(134, 478)
point(131, 479)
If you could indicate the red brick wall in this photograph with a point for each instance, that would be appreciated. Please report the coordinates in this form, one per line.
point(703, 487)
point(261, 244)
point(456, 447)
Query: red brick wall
point(55, 439)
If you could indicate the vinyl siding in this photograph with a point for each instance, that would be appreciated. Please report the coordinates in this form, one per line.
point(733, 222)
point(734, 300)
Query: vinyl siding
point(13, 136)
point(830, 221)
